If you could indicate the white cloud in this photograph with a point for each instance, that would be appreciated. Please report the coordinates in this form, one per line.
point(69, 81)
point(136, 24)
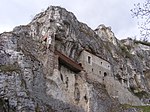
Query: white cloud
point(114, 13)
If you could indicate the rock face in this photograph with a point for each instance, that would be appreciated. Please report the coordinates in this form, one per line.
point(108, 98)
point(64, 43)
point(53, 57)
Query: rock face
point(58, 64)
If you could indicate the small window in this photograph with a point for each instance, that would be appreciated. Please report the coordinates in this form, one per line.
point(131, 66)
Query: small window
point(101, 63)
point(92, 70)
point(89, 59)
point(99, 72)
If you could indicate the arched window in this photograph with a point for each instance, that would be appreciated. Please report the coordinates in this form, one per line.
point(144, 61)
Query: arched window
point(105, 74)
point(80, 64)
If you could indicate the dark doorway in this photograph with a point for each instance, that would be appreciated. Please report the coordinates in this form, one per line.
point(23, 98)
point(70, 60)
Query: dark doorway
point(105, 74)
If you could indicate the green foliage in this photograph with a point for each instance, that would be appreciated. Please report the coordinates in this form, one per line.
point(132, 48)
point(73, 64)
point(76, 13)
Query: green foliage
point(142, 94)
point(125, 52)
point(37, 109)
point(139, 94)
point(128, 47)
point(142, 42)
point(143, 108)
point(123, 49)
point(9, 68)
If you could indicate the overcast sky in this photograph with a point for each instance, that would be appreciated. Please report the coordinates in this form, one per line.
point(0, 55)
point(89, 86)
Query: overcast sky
point(114, 13)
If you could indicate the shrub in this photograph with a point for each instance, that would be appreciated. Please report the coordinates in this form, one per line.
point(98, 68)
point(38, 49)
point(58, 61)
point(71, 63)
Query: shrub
point(125, 52)
point(142, 42)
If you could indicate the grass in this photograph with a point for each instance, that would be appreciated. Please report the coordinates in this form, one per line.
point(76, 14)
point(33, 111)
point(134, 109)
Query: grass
point(143, 108)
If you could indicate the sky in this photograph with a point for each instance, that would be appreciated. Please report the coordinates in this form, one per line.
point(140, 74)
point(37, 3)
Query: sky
point(113, 13)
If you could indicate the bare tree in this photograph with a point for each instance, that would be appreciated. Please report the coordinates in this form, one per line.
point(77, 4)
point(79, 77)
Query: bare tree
point(142, 12)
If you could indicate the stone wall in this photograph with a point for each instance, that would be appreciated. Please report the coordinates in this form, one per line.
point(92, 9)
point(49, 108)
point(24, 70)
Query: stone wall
point(97, 67)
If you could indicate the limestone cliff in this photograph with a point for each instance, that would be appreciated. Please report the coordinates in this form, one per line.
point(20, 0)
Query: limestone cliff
point(43, 67)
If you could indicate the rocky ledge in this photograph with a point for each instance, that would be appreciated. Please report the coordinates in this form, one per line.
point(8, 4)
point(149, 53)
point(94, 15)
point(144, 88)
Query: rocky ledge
point(58, 64)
